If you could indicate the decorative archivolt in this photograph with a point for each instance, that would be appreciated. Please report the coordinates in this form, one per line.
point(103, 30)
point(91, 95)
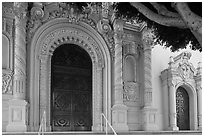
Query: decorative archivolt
point(75, 36)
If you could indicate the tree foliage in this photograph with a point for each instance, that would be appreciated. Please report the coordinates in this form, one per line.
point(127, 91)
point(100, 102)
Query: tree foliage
point(173, 37)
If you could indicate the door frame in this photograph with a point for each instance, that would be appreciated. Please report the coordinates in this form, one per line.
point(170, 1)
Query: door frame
point(188, 103)
point(70, 91)
point(192, 103)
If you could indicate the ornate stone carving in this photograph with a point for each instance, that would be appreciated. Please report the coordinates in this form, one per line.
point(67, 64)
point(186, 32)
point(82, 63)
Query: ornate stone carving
point(49, 11)
point(131, 91)
point(186, 69)
point(105, 9)
point(7, 10)
point(6, 81)
point(73, 36)
point(106, 31)
point(20, 10)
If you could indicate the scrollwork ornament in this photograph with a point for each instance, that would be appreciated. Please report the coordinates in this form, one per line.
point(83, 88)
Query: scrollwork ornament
point(37, 13)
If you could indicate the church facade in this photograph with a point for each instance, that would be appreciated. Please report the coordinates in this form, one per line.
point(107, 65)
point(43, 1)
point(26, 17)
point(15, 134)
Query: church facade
point(72, 68)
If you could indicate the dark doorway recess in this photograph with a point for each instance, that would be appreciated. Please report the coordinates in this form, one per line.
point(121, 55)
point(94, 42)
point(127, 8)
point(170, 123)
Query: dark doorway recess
point(182, 109)
point(71, 87)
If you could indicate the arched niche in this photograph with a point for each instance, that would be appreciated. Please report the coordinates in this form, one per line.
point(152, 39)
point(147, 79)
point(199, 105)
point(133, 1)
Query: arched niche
point(5, 52)
point(130, 69)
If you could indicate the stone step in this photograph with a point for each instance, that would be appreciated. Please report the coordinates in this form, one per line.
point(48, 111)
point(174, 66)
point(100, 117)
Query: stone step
point(186, 132)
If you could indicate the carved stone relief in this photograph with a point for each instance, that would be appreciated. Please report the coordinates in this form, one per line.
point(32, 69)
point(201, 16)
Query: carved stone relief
point(185, 68)
point(75, 36)
point(48, 11)
point(7, 81)
point(131, 91)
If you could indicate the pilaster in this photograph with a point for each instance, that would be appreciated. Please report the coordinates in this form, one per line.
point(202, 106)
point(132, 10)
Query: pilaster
point(98, 106)
point(18, 106)
point(149, 113)
point(119, 110)
point(172, 106)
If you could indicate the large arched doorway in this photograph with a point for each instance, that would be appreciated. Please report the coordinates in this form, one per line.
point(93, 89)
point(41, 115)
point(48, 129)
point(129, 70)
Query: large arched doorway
point(71, 89)
point(182, 109)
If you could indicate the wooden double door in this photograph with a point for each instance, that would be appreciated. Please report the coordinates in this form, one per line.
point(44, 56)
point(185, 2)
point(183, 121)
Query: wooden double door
point(71, 111)
point(71, 88)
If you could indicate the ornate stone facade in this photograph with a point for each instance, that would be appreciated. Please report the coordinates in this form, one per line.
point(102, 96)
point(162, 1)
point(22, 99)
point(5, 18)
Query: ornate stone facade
point(181, 73)
point(121, 57)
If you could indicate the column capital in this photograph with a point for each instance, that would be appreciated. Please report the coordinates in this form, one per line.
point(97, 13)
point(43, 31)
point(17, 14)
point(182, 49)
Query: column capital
point(171, 82)
point(147, 39)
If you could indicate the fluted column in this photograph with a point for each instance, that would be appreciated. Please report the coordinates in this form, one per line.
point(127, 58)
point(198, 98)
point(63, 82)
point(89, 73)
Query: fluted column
point(18, 105)
point(119, 110)
point(172, 106)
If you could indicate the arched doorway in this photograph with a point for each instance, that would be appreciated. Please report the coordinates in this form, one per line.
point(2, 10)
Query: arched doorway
point(182, 109)
point(71, 89)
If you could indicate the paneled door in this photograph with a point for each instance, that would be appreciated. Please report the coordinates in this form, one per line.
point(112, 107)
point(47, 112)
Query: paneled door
point(182, 109)
point(71, 87)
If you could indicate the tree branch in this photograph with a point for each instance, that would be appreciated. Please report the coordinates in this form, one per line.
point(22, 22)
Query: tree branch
point(164, 11)
point(163, 20)
point(193, 21)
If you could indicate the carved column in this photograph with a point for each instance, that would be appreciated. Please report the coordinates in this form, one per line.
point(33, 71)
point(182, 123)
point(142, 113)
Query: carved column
point(18, 105)
point(119, 110)
point(199, 94)
point(149, 114)
point(172, 106)
point(147, 44)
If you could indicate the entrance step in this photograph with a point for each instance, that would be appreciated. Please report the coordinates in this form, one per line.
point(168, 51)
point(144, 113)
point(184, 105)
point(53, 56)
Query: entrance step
point(186, 132)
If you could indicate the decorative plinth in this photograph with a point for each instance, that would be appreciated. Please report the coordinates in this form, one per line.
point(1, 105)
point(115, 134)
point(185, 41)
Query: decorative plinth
point(119, 117)
point(17, 116)
point(149, 119)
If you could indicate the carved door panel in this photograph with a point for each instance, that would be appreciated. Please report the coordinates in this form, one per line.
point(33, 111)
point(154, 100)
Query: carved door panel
point(62, 111)
point(71, 111)
point(82, 111)
point(182, 109)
